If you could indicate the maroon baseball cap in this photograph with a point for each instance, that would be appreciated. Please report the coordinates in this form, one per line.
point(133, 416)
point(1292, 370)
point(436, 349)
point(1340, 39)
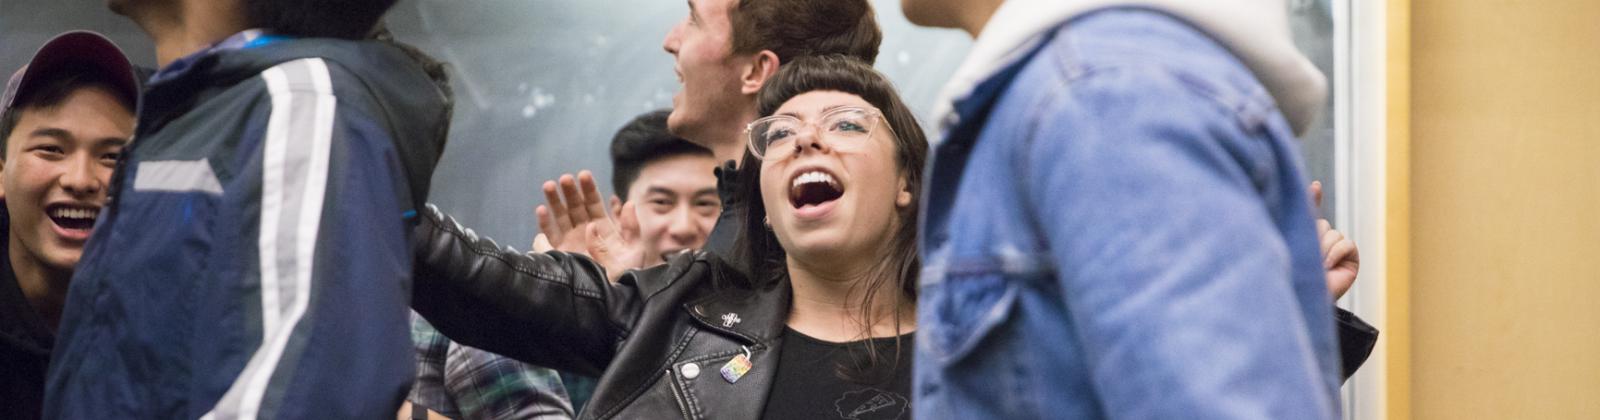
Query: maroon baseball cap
point(71, 52)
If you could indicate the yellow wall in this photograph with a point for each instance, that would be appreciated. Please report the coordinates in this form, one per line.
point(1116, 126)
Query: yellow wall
point(1396, 336)
point(1505, 216)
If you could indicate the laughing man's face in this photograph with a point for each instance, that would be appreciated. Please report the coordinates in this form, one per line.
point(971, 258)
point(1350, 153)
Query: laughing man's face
point(58, 164)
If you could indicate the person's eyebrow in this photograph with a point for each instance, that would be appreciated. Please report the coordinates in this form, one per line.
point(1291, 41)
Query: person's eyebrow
point(660, 190)
point(706, 191)
point(111, 141)
point(825, 111)
point(51, 132)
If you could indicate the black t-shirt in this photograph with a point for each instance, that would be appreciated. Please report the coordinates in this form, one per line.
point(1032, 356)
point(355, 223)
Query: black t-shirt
point(809, 384)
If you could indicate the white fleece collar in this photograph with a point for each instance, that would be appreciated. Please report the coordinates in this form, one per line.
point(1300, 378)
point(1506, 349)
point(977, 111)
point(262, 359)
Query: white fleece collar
point(1255, 30)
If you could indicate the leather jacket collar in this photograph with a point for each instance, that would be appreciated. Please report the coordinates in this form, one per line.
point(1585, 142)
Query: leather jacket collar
point(752, 316)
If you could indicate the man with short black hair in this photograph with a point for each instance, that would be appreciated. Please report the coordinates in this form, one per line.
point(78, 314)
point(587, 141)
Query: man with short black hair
point(63, 122)
point(255, 260)
point(668, 181)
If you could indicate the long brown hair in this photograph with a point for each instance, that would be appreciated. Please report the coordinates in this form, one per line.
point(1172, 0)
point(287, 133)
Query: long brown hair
point(763, 255)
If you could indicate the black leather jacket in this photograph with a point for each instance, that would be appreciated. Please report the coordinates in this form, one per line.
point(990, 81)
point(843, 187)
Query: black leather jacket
point(660, 336)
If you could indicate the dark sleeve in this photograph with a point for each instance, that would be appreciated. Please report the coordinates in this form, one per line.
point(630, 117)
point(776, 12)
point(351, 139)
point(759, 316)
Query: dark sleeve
point(553, 309)
point(1356, 339)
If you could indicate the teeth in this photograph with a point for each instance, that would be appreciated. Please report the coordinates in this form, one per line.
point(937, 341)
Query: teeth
point(815, 176)
point(72, 213)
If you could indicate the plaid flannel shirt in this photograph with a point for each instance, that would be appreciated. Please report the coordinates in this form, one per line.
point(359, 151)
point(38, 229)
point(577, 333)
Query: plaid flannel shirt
point(462, 382)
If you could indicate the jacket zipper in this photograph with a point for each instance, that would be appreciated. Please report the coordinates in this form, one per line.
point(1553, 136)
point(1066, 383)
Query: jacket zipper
point(683, 404)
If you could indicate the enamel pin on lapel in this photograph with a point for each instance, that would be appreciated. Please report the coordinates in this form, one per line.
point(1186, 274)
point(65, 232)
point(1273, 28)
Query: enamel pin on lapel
point(737, 367)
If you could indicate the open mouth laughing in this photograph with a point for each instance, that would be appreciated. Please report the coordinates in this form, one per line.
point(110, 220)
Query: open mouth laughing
point(74, 221)
point(814, 188)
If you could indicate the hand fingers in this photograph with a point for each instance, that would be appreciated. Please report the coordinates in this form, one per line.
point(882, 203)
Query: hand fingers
point(602, 246)
point(546, 223)
point(1330, 241)
point(614, 255)
point(1323, 226)
point(541, 244)
point(1316, 194)
point(592, 201)
point(1347, 252)
point(1339, 285)
point(575, 205)
point(558, 210)
point(629, 223)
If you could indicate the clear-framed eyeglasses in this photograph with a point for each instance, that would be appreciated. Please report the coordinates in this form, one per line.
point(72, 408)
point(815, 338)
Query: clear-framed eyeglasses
point(773, 137)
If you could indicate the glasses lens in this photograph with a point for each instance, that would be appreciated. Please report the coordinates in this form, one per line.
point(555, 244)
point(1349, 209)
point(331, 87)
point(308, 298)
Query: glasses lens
point(848, 124)
point(769, 132)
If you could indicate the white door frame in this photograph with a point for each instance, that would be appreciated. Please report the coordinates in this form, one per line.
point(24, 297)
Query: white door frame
point(1360, 116)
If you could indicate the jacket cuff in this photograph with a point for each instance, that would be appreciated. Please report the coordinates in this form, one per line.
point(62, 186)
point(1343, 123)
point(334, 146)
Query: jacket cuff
point(1356, 340)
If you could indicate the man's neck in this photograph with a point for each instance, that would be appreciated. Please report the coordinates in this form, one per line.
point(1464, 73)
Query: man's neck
point(727, 141)
point(45, 287)
point(184, 28)
point(727, 151)
point(976, 15)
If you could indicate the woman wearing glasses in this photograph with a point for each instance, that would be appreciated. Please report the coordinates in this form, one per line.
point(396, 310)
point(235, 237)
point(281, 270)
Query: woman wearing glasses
point(820, 328)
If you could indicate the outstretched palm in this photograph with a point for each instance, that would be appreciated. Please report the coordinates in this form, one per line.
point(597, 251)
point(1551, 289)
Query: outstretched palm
point(574, 219)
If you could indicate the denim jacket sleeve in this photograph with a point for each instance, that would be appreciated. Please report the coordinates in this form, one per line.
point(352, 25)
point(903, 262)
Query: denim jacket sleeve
point(515, 304)
point(1157, 203)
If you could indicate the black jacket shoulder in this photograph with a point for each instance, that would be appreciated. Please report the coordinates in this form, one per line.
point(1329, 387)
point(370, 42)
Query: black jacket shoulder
point(648, 336)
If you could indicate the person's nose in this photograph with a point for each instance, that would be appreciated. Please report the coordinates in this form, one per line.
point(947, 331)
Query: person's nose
point(672, 41)
point(80, 179)
point(683, 228)
point(810, 138)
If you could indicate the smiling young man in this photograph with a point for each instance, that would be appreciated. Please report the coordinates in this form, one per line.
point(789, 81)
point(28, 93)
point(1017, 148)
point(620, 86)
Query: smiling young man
point(63, 122)
point(670, 183)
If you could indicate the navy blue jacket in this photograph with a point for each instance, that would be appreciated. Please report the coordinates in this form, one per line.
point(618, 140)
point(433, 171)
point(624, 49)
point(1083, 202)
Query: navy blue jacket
point(253, 260)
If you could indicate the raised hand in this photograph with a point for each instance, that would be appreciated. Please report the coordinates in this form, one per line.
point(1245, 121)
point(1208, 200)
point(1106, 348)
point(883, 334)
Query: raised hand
point(575, 220)
point(1340, 257)
point(616, 245)
point(568, 210)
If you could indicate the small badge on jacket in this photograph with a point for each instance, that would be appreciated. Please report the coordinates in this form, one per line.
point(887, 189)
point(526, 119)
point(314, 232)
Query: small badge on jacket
point(737, 367)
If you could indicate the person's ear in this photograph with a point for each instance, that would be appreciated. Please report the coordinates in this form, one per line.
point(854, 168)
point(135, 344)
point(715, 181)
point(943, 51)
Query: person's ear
point(762, 66)
point(904, 197)
point(2, 177)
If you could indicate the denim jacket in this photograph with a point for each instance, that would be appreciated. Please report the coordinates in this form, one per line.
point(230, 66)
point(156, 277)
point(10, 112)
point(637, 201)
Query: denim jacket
point(1117, 226)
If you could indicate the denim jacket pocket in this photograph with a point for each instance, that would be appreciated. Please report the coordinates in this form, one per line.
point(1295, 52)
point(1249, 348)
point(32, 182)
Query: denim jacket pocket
point(962, 303)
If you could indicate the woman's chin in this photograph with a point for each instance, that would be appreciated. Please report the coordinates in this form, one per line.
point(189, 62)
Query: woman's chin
point(825, 246)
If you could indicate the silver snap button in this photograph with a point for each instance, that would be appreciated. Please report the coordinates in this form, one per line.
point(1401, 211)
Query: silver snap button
point(690, 370)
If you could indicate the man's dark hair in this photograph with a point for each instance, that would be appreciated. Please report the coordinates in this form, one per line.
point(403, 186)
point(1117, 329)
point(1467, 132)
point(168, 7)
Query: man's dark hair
point(645, 140)
point(803, 28)
point(346, 19)
point(53, 91)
